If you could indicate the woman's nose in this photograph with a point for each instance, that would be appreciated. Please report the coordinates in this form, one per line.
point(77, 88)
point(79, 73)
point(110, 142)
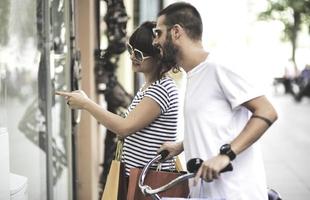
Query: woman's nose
point(155, 42)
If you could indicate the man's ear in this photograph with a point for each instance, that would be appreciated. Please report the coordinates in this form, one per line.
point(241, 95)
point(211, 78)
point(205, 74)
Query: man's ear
point(177, 31)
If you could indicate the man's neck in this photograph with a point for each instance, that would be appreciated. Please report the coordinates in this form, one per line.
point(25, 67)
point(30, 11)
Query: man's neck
point(191, 57)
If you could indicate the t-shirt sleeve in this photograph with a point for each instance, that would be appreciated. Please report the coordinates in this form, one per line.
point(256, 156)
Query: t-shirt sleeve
point(236, 87)
point(159, 94)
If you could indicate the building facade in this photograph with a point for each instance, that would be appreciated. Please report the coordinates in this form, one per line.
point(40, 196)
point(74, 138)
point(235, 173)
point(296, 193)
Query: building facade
point(48, 151)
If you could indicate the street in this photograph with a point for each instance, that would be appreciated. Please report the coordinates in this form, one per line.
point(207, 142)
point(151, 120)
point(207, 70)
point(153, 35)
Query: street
point(285, 148)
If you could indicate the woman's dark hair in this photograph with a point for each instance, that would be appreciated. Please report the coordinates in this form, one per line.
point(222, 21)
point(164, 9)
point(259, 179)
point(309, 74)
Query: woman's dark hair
point(142, 39)
point(186, 15)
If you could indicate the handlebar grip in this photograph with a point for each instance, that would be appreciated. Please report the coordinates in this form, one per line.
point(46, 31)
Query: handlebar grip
point(194, 164)
point(228, 168)
point(164, 154)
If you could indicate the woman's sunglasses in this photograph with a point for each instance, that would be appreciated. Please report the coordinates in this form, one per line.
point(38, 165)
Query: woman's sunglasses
point(137, 53)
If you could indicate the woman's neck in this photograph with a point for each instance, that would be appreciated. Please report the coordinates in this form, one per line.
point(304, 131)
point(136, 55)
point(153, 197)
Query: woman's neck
point(149, 79)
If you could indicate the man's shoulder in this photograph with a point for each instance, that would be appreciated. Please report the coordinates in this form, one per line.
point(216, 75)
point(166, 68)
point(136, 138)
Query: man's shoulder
point(220, 66)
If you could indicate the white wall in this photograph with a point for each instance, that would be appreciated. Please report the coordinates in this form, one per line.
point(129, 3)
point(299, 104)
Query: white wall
point(4, 165)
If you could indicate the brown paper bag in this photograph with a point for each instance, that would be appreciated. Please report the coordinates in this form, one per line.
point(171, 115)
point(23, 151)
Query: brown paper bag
point(111, 189)
point(116, 184)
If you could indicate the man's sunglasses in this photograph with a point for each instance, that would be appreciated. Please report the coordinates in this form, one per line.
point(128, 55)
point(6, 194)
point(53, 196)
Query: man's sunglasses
point(136, 53)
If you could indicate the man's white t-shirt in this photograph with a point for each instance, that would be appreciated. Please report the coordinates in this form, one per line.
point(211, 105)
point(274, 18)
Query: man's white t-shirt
point(213, 117)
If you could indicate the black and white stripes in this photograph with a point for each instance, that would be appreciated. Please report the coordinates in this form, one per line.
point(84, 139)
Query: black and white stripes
point(142, 146)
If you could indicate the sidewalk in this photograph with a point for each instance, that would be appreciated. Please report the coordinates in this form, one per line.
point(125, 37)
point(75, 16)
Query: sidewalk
point(286, 146)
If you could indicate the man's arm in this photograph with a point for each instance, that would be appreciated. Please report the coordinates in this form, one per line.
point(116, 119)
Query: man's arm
point(252, 131)
point(256, 126)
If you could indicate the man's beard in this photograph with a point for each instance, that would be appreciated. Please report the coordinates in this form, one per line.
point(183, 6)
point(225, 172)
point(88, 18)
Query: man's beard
point(169, 53)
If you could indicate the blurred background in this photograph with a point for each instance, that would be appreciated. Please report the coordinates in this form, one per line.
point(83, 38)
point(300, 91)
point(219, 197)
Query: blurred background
point(50, 152)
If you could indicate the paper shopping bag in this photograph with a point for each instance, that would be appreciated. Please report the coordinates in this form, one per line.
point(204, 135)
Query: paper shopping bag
point(178, 164)
point(111, 186)
point(116, 184)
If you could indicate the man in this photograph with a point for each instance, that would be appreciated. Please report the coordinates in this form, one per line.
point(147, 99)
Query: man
point(223, 115)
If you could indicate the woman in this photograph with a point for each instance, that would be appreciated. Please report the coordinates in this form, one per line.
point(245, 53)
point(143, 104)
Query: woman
point(151, 119)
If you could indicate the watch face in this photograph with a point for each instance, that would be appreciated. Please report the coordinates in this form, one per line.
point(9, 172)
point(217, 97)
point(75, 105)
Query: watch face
point(225, 148)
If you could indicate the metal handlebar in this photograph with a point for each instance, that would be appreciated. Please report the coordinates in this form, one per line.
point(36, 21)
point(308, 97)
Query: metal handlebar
point(195, 164)
point(145, 188)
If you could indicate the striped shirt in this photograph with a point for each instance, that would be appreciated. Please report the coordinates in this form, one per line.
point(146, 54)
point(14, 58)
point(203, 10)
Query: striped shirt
point(140, 147)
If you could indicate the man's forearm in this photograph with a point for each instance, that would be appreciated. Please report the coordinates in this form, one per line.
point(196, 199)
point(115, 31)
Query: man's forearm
point(253, 130)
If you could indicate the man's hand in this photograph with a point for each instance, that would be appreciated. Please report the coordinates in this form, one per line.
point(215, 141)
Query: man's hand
point(174, 149)
point(76, 99)
point(210, 169)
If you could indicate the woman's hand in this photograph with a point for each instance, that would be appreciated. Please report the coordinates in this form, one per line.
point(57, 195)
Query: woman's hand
point(174, 149)
point(76, 99)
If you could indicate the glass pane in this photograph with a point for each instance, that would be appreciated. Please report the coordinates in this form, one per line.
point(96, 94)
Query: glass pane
point(20, 61)
point(60, 68)
point(4, 146)
point(3, 110)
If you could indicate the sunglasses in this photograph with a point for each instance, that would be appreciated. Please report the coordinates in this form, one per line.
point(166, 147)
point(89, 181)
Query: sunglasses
point(136, 53)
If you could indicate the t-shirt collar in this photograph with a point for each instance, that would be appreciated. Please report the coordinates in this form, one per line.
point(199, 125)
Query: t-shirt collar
point(197, 68)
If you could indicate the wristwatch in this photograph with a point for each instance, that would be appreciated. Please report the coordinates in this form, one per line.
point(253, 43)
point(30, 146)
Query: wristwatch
point(226, 150)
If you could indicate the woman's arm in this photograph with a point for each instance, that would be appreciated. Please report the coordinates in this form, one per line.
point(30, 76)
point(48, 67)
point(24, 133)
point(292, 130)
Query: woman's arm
point(143, 114)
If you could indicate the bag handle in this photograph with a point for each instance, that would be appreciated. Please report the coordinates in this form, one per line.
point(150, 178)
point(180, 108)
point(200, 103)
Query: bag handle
point(178, 165)
point(119, 150)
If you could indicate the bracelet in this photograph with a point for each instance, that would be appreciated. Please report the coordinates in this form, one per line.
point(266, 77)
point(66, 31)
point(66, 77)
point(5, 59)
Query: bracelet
point(268, 121)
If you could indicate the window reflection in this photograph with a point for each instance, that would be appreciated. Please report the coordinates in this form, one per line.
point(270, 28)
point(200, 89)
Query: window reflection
point(23, 93)
point(61, 130)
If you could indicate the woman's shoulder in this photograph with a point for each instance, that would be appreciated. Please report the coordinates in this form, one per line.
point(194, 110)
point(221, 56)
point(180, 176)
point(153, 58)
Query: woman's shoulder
point(165, 85)
point(166, 81)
